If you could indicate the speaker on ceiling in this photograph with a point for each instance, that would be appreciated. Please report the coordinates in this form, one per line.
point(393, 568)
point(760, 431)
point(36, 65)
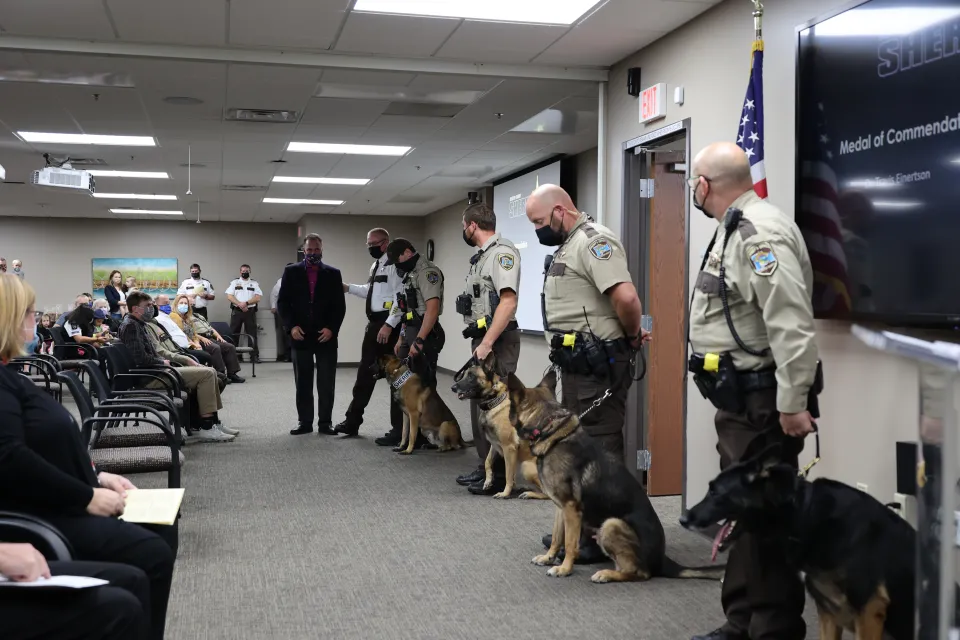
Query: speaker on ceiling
point(633, 81)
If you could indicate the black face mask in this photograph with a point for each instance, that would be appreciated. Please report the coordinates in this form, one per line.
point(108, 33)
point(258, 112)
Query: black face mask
point(407, 265)
point(244, 274)
point(699, 207)
point(375, 252)
point(195, 274)
point(549, 237)
point(468, 239)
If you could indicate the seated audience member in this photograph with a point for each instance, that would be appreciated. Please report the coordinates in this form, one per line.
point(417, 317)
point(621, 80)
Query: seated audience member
point(117, 611)
point(79, 327)
point(109, 322)
point(46, 471)
point(183, 342)
point(201, 381)
point(116, 296)
point(81, 301)
point(222, 353)
point(100, 327)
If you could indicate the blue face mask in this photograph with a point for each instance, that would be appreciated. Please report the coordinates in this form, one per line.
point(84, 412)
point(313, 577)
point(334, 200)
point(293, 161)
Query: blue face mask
point(165, 308)
point(182, 308)
point(31, 345)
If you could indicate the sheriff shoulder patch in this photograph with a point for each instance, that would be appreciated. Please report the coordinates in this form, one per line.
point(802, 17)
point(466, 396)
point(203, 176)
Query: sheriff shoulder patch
point(763, 260)
point(506, 261)
point(433, 277)
point(601, 249)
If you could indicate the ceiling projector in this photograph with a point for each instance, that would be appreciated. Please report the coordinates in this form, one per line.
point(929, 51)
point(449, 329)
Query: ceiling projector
point(64, 178)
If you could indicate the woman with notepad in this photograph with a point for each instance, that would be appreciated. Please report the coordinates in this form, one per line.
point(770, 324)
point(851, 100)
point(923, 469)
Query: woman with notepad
point(47, 472)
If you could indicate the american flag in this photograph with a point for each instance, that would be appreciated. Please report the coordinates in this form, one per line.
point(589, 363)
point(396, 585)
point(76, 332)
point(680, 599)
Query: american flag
point(750, 135)
point(819, 220)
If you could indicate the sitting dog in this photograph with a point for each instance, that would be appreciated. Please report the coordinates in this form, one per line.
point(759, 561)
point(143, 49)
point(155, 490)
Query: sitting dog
point(592, 489)
point(857, 556)
point(481, 382)
point(422, 408)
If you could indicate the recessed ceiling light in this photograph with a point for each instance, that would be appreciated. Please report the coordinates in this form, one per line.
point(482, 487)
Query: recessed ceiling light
point(536, 11)
point(352, 149)
point(149, 212)
point(304, 180)
point(103, 173)
point(183, 101)
point(134, 196)
point(85, 138)
point(331, 203)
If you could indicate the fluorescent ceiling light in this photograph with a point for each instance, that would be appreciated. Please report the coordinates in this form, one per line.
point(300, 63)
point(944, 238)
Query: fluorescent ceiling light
point(332, 203)
point(134, 196)
point(85, 138)
point(67, 77)
point(536, 11)
point(896, 204)
point(150, 212)
point(352, 149)
point(397, 94)
point(102, 173)
point(305, 180)
point(884, 22)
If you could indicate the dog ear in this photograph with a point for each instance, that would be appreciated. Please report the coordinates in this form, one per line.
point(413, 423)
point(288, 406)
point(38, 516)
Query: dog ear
point(761, 463)
point(549, 381)
point(514, 384)
point(489, 363)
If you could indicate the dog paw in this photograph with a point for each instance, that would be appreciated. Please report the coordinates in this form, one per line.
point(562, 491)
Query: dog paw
point(601, 577)
point(559, 571)
point(404, 452)
point(527, 495)
point(544, 560)
point(502, 494)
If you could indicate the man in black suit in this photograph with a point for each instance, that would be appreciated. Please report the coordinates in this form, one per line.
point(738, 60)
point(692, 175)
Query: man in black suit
point(311, 306)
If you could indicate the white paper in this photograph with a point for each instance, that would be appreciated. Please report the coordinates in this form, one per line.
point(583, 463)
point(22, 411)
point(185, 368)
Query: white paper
point(60, 582)
point(152, 506)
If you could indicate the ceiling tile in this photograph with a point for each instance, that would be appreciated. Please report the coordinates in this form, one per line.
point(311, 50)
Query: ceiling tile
point(499, 41)
point(84, 19)
point(432, 82)
point(581, 46)
point(361, 166)
point(394, 35)
point(367, 78)
point(286, 23)
point(270, 87)
point(343, 111)
point(202, 22)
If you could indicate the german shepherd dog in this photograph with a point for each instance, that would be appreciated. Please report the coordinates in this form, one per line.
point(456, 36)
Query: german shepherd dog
point(481, 382)
point(423, 409)
point(592, 490)
point(857, 556)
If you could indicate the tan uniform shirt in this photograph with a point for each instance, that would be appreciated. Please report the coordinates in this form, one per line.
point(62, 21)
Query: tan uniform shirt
point(769, 283)
point(497, 269)
point(427, 279)
point(589, 263)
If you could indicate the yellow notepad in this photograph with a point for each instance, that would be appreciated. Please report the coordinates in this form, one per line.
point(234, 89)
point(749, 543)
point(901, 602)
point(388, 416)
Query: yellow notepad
point(152, 506)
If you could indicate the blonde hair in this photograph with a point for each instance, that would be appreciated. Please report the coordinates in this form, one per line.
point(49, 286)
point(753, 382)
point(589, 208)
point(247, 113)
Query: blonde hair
point(176, 303)
point(16, 299)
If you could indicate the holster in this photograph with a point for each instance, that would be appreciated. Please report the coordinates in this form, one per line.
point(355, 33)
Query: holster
point(478, 329)
point(720, 387)
point(587, 356)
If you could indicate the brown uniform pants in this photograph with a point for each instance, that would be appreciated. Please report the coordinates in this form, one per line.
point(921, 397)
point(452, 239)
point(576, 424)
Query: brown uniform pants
point(202, 382)
point(507, 351)
point(605, 423)
point(223, 356)
point(761, 596)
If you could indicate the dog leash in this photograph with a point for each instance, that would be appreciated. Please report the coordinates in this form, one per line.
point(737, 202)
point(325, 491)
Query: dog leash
point(816, 458)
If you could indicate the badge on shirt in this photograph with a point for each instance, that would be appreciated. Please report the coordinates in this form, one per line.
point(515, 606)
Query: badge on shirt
point(762, 259)
point(505, 260)
point(433, 277)
point(601, 249)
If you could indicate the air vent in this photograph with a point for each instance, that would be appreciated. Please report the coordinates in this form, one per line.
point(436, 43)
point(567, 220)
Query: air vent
point(276, 116)
point(420, 110)
point(87, 162)
point(241, 187)
point(411, 199)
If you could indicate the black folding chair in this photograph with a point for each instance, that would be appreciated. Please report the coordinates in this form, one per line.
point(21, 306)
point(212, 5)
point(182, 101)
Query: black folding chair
point(238, 340)
point(25, 528)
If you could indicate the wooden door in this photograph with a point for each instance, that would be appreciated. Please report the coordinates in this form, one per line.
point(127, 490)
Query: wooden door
point(666, 303)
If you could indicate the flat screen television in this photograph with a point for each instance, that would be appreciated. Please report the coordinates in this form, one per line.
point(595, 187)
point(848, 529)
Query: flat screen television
point(878, 161)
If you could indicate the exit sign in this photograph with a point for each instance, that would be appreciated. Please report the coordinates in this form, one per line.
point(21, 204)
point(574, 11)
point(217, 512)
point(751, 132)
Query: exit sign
point(653, 102)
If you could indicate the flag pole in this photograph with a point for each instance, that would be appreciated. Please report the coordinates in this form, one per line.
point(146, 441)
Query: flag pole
point(757, 20)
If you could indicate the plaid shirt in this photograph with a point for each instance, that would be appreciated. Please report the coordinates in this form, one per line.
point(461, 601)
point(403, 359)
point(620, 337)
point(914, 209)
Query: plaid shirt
point(134, 336)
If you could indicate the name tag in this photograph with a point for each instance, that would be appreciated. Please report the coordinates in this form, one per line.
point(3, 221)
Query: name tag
point(238, 288)
point(402, 380)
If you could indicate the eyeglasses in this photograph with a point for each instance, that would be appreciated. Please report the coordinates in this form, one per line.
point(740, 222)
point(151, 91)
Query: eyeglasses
point(695, 180)
point(371, 245)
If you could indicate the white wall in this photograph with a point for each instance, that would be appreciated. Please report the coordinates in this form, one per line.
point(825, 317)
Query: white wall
point(870, 400)
point(56, 254)
point(345, 247)
point(586, 167)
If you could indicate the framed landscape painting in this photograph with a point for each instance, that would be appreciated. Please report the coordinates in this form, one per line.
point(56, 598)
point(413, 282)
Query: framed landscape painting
point(154, 275)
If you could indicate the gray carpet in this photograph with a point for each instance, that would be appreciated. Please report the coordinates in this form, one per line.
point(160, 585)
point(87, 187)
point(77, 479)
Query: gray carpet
point(288, 537)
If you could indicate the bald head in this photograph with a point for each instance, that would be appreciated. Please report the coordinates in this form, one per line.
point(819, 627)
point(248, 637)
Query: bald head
point(551, 206)
point(723, 170)
point(162, 299)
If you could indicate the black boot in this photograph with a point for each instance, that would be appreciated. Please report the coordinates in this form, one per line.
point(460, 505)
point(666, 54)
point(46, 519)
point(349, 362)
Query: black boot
point(347, 429)
point(590, 552)
point(389, 439)
point(301, 429)
point(721, 634)
point(498, 485)
point(467, 479)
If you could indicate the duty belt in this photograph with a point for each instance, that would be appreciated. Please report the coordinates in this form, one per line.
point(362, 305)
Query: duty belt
point(757, 380)
point(250, 307)
point(378, 316)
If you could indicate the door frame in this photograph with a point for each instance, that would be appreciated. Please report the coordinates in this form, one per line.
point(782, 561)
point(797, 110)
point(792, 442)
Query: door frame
point(634, 233)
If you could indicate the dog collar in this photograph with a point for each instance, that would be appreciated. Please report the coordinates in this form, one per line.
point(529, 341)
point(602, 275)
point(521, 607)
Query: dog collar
point(402, 380)
point(496, 402)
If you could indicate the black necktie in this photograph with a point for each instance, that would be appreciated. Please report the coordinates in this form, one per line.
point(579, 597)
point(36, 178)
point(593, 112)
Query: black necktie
point(373, 274)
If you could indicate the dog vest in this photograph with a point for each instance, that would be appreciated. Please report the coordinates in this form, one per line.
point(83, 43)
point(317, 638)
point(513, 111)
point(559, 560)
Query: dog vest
point(402, 380)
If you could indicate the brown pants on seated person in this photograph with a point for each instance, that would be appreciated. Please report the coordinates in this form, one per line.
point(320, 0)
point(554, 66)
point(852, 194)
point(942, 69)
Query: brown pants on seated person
point(201, 382)
point(223, 356)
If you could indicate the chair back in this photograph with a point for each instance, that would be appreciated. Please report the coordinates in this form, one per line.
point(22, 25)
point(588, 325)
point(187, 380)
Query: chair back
point(80, 394)
point(223, 329)
point(21, 527)
point(116, 365)
point(66, 349)
point(99, 384)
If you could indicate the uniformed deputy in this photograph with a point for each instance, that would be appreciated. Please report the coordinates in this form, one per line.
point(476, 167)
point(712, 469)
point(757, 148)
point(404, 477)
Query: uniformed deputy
point(200, 288)
point(758, 263)
point(489, 306)
point(591, 320)
point(418, 306)
point(244, 293)
point(379, 337)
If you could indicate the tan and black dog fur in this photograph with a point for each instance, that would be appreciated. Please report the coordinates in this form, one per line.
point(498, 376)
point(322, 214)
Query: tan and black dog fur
point(481, 382)
point(422, 407)
point(592, 490)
